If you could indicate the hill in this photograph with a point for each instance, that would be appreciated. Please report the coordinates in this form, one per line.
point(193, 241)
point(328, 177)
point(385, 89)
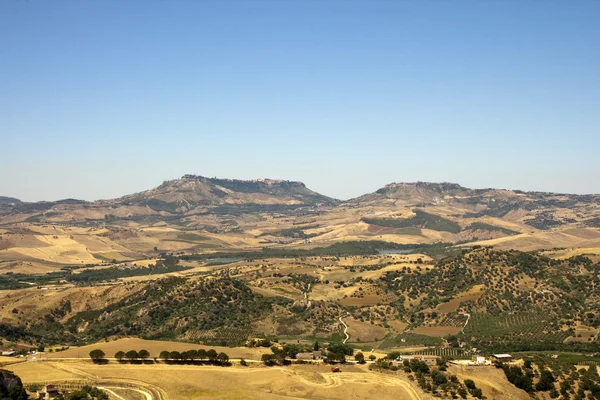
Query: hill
point(182, 195)
point(196, 214)
point(538, 209)
point(9, 200)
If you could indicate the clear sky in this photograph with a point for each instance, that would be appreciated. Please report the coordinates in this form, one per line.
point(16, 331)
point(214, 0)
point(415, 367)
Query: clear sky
point(99, 99)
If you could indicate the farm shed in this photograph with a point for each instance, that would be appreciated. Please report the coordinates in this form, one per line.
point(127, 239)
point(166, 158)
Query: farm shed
point(313, 355)
point(429, 360)
point(502, 357)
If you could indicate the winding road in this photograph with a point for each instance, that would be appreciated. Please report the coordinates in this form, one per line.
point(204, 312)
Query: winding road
point(345, 330)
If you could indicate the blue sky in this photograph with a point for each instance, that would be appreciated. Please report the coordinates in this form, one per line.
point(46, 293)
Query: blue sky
point(103, 98)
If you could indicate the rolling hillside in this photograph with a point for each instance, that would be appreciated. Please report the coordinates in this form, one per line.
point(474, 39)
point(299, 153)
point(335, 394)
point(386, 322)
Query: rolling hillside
point(197, 214)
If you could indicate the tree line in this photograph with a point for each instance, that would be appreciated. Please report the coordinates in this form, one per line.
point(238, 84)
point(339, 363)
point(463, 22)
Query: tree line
point(143, 356)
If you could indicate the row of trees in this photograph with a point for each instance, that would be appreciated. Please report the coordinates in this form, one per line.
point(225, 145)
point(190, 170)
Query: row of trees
point(195, 355)
point(168, 356)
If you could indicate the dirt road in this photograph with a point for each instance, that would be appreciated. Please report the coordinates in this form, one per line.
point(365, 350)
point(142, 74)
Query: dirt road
point(345, 330)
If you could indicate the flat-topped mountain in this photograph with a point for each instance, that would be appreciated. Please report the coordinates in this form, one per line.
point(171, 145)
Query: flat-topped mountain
point(478, 202)
point(191, 191)
point(415, 192)
point(190, 195)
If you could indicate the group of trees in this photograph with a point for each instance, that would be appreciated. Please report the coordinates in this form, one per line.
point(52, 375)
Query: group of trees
point(167, 356)
point(545, 375)
point(433, 379)
point(335, 352)
point(172, 307)
point(132, 355)
point(195, 355)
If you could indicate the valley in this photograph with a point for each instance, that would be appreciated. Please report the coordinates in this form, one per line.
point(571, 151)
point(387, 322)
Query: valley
point(197, 263)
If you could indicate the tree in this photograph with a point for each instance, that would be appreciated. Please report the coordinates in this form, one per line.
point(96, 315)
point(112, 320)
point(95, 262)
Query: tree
point(359, 357)
point(419, 366)
point(77, 395)
point(96, 355)
point(546, 381)
point(165, 355)
point(223, 358)
point(132, 355)
point(202, 354)
point(119, 355)
point(267, 359)
point(439, 378)
point(278, 354)
point(212, 355)
point(243, 362)
point(372, 357)
point(316, 346)
point(175, 355)
point(477, 393)
point(184, 355)
point(339, 348)
point(144, 354)
point(189, 355)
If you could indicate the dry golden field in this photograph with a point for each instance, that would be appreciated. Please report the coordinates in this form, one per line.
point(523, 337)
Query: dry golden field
point(491, 380)
point(181, 382)
point(154, 347)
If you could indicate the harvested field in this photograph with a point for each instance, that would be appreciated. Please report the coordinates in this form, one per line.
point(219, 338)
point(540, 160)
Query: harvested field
point(491, 380)
point(472, 294)
point(206, 382)
point(366, 300)
point(364, 331)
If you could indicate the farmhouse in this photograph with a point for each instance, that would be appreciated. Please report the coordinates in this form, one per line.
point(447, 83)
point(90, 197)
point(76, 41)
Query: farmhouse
point(314, 355)
point(49, 392)
point(478, 360)
point(429, 360)
point(502, 357)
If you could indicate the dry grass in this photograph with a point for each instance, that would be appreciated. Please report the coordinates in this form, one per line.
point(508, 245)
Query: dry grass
point(472, 294)
point(364, 331)
point(255, 382)
point(35, 371)
point(491, 380)
point(437, 331)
